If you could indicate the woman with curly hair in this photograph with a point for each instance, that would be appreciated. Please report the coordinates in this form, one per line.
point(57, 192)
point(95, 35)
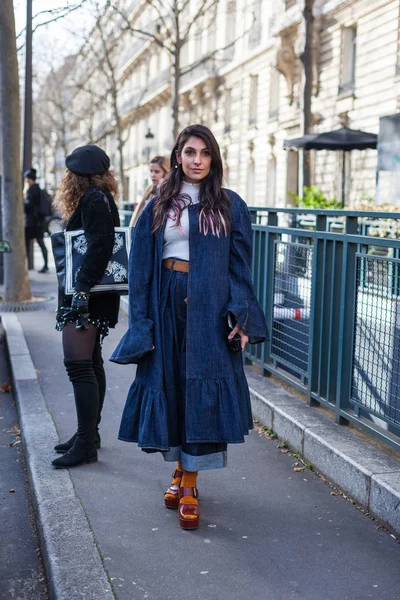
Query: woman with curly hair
point(192, 310)
point(86, 198)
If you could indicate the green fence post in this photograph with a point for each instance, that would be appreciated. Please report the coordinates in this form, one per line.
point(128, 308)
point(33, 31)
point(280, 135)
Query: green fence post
point(314, 355)
point(346, 325)
point(269, 287)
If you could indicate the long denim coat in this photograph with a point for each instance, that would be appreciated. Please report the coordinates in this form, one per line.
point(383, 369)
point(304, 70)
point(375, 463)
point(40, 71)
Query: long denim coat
point(217, 401)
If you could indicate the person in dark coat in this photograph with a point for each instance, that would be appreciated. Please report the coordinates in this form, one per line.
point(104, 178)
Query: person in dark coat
point(34, 221)
point(86, 198)
point(192, 309)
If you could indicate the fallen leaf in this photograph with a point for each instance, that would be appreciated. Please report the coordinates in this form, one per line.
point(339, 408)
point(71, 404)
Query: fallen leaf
point(5, 388)
point(12, 490)
point(334, 494)
point(295, 464)
point(284, 451)
point(14, 443)
point(298, 469)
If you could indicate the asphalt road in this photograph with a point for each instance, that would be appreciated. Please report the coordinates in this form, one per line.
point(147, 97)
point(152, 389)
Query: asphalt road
point(21, 571)
point(267, 532)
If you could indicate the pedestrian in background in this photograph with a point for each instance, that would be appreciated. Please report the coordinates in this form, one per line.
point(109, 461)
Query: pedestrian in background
point(35, 222)
point(86, 198)
point(159, 167)
point(192, 310)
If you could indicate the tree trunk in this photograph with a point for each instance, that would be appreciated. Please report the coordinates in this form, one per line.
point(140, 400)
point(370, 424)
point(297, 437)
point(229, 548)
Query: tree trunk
point(176, 76)
point(307, 59)
point(15, 267)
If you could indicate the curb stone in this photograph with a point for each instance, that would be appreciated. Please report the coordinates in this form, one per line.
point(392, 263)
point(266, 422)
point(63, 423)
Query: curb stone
point(365, 473)
point(73, 565)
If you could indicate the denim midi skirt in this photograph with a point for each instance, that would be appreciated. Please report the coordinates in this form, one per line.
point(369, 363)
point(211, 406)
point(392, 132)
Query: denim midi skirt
point(194, 456)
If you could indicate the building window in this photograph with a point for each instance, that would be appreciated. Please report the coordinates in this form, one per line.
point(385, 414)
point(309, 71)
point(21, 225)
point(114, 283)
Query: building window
point(227, 110)
point(212, 36)
point(253, 99)
point(255, 31)
point(230, 29)
point(198, 38)
point(348, 60)
point(274, 94)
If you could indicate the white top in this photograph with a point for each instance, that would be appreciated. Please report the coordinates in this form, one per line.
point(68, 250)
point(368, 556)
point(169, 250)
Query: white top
point(176, 239)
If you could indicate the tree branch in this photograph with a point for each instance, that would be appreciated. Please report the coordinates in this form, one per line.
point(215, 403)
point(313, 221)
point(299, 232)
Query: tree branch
point(160, 14)
point(206, 5)
point(213, 53)
point(135, 31)
point(68, 10)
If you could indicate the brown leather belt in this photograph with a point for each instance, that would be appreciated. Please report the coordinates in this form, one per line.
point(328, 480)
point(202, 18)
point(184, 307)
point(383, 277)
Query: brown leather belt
point(176, 265)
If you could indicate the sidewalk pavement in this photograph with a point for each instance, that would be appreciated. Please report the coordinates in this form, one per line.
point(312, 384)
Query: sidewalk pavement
point(267, 531)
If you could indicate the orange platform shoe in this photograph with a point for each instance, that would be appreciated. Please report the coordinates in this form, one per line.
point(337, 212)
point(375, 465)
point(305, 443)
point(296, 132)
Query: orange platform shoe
point(189, 514)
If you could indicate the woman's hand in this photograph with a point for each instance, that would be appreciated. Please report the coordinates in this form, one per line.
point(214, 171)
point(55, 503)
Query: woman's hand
point(243, 337)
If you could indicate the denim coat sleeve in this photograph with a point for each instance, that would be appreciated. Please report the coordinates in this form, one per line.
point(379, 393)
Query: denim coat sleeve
point(138, 340)
point(243, 303)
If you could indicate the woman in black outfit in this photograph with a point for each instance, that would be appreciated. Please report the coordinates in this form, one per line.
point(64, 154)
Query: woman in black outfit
point(86, 198)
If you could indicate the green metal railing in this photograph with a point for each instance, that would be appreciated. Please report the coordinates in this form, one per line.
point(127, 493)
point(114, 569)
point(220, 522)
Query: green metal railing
point(331, 295)
point(125, 213)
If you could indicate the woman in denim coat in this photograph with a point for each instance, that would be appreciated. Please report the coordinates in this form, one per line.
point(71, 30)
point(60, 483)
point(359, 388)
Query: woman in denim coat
point(190, 280)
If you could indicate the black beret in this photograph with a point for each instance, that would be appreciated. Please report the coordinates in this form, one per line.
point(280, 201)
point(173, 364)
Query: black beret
point(88, 160)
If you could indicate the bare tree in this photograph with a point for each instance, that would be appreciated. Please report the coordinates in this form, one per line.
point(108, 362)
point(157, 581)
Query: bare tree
point(101, 52)
point(53, 114)
point(15, 265)
point(171, 31)
point(52, 15)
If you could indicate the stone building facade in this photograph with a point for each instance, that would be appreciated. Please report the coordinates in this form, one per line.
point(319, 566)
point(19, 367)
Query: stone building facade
point(241, 74)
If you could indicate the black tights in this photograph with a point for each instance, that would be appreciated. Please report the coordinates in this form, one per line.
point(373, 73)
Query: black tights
point(84, 364)
point(80, 345)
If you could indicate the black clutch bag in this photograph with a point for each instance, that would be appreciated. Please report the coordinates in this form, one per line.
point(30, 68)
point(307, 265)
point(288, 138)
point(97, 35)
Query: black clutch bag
point(69, 249)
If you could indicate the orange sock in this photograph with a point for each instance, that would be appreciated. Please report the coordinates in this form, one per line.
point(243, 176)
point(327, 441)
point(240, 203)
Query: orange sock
point(175, 480)
point(189, 480)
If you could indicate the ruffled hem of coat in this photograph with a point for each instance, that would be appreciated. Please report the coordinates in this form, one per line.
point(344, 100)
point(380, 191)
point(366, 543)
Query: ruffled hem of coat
point(219, 406)
point(219, 409)
point(144, 419)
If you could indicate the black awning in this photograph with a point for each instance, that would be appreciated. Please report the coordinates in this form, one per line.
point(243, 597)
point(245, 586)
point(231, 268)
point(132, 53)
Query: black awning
point(340, 139)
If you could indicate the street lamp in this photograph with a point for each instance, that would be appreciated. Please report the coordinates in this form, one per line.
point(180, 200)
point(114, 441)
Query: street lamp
point(149, 136)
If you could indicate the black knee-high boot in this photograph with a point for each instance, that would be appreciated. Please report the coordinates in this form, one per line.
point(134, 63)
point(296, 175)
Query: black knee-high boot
point(86, 391)
point(99, 372)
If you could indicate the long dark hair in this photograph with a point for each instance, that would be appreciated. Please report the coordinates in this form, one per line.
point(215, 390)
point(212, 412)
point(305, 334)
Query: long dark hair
point(214, 203)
